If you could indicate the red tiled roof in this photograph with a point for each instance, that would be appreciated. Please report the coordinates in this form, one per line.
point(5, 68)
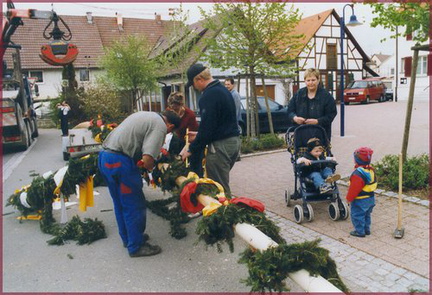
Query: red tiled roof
point(89, 38)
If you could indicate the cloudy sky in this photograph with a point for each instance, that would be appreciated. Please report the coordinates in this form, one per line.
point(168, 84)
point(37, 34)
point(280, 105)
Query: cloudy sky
point(368, 37)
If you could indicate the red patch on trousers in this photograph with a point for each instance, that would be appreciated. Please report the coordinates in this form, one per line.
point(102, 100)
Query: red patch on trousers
point(125, 189)
point(114, 165)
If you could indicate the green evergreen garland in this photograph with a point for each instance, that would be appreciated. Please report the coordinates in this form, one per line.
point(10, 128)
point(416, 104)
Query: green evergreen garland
point(175, 216)
point(84, 232)
point(219, 227)
point(268, 269)
point(40, 195)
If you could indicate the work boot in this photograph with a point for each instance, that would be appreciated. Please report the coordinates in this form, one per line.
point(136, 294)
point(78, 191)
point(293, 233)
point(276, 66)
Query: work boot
point(333, 178)
point(145, 236)
point(325, 188)
point(146, 250)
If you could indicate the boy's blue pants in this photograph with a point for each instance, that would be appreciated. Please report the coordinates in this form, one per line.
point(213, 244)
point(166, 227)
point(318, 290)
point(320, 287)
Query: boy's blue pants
point(361, 210)
point(125, 186)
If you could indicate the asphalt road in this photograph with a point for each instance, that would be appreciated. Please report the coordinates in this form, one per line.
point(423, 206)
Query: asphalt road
point(30, 265)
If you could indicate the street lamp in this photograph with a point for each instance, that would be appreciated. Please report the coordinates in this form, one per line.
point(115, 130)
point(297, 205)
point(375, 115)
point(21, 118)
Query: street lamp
point(352, 23)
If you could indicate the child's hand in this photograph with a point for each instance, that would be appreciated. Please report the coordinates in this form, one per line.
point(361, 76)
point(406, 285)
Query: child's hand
point(303, 160)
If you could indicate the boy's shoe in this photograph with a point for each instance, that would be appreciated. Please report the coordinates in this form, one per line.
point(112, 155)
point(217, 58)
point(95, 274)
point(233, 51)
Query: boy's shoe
point(325, 188)
point(367, 232)
point(356, 234)
point(146, 250)
point(333, 178)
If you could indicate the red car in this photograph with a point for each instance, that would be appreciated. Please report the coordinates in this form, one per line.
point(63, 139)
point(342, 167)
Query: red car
point(364, 91)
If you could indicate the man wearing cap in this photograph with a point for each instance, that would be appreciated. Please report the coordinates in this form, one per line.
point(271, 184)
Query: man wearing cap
point(361, 192)
point(218, 129)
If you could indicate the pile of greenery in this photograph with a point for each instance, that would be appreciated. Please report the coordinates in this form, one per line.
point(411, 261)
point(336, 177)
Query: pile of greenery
point(263, 143)
point(415, 171)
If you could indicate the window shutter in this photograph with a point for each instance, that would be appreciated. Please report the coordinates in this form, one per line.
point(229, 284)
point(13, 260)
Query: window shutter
point(407, 66)
point(429, 64)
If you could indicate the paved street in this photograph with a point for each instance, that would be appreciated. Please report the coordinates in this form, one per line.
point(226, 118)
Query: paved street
point(377, 263)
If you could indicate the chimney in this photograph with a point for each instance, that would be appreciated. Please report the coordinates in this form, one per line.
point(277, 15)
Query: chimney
point(89, 17)
point(119, 21)
point(158, 18)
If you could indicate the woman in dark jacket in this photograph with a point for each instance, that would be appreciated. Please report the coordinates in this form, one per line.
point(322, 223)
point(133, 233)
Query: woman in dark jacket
point(313, 104)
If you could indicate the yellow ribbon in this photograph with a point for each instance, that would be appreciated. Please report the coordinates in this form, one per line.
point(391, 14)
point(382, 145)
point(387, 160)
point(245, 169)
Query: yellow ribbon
point(86, 194)
point(212, 207)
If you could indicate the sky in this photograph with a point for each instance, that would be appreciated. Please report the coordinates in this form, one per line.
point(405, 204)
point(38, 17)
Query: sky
point(369, 38)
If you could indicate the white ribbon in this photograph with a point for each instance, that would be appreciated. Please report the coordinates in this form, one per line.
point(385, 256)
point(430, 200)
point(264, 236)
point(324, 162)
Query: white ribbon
point(46, 175)
point(23, 200)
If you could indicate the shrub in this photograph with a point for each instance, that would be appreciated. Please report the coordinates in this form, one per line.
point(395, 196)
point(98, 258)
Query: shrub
point(415, 172)
point(265, 142)
point(102, 99)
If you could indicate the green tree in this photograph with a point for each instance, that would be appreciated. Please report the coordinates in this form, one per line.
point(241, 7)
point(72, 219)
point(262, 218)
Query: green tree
point(173, 49)
point(257, 39)
point(129, 68)
point(414, 16)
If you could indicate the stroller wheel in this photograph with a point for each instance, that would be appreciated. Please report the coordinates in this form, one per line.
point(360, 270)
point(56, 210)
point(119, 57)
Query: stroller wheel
point(287, 198)
point(309, 214)
point(334, 211)
point(298, 214)
point(344, 210)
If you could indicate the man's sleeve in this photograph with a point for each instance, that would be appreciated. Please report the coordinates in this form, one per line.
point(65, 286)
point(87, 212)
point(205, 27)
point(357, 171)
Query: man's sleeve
point(153, 143)
point(207, 126)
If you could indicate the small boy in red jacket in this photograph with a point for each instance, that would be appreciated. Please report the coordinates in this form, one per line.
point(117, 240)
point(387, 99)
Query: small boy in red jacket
point(361, 192)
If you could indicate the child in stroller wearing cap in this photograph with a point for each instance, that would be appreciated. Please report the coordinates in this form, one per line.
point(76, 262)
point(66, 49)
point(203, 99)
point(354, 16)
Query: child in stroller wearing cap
point(321, 174)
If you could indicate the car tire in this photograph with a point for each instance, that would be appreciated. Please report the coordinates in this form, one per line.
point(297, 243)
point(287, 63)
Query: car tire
point(242, 129)
point(367, 101)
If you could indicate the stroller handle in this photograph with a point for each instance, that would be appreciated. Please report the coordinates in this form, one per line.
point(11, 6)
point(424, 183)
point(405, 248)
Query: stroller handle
point(316, 162)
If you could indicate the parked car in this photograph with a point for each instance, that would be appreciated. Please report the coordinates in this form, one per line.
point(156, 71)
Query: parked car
point(279, 116)
point(389, 91)
point(364, 91)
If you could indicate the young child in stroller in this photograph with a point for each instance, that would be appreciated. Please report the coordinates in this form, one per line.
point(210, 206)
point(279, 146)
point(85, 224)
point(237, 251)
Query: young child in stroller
point(321, 174)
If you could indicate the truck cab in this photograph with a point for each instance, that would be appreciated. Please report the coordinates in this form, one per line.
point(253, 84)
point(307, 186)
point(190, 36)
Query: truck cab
point(18, 115)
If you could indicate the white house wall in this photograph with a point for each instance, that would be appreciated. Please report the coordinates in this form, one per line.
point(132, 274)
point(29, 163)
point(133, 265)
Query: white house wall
point(51, 87)
point(422, 87)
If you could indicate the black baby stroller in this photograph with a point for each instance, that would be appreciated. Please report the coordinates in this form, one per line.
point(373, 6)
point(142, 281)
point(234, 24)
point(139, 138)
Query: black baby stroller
point(296, 138)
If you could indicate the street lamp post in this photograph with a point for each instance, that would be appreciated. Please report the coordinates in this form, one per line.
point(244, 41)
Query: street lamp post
point(352, 23)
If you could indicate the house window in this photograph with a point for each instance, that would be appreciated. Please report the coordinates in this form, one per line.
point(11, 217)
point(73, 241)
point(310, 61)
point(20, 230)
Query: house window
point(35, 74)
point(331, 57)
point(422, 65)
point(84, 75)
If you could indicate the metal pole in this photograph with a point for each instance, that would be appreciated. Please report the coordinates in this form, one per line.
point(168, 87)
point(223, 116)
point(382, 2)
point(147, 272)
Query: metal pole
point(342, 103)
point(395, 94)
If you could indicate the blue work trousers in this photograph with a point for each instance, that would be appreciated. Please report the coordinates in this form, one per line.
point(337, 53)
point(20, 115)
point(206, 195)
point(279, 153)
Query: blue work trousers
point(361, 210)
point(125, 186)
point(318, 178)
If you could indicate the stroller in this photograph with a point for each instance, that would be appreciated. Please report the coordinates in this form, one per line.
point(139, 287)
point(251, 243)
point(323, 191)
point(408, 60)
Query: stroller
point(296, 138)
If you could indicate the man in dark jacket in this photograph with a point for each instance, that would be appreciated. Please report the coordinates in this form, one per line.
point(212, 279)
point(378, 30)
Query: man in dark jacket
point(313, 104)
point(218, 128)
